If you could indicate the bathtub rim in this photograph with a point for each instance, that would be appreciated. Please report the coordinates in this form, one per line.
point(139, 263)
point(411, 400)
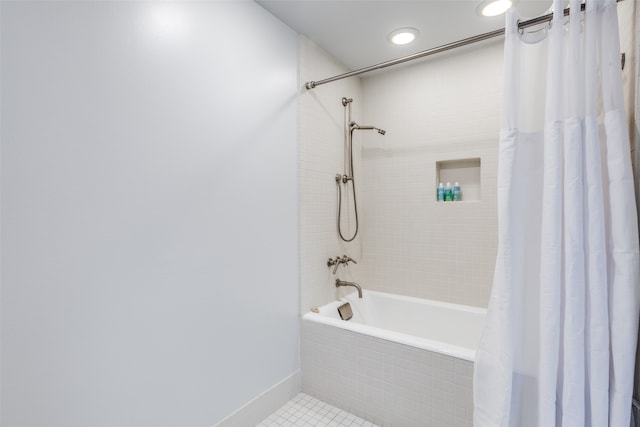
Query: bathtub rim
point(398, 337)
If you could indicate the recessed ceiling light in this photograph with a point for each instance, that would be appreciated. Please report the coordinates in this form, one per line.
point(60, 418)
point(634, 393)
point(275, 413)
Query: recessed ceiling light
point(403, 35)
point(493, 7)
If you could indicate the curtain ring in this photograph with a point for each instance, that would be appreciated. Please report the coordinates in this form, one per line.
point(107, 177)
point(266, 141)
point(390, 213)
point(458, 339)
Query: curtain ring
point(520, 30)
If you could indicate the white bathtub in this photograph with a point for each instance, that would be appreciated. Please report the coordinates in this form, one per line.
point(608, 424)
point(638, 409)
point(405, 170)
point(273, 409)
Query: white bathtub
point(399, 361)
point(450, 329)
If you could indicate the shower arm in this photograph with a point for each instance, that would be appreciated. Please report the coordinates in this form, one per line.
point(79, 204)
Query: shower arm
point(354, 126)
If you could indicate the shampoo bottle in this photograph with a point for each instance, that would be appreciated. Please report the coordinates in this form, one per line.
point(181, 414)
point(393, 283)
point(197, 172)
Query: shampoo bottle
point(440, 193)
point(448, 193)
point(456, 192)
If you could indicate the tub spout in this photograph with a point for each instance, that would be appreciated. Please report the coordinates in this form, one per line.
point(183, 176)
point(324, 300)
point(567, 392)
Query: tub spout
point(344, 283)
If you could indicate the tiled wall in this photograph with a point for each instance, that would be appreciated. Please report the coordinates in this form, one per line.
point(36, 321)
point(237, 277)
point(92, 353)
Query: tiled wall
point(446, 108)
point(443, 109)
point(629, 30)
point(384, 382)
point(321, 151)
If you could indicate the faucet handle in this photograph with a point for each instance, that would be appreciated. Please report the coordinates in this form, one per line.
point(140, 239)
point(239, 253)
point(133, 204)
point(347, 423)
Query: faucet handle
point(344, 259)
point(332, 262)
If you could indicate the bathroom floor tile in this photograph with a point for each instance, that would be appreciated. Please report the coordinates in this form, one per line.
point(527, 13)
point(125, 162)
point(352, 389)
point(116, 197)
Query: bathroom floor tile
point(306, 411)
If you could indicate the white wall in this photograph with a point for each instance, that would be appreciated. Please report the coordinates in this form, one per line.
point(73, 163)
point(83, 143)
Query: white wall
point(149, 211)
point(321, 145)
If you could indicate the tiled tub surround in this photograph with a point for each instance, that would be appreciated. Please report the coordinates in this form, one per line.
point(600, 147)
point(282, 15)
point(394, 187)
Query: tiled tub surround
point(433, 111)
point(422, 378)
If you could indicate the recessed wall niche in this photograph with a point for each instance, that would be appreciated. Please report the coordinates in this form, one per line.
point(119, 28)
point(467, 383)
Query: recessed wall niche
point(464, 171)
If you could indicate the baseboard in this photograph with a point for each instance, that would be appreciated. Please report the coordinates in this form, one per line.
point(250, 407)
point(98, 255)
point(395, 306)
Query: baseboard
point(265, 404)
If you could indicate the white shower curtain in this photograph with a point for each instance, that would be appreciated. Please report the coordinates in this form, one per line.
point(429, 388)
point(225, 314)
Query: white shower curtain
point(559, 345)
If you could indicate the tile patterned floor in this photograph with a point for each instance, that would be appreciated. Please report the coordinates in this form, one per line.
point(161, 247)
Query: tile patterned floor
point(306, 411)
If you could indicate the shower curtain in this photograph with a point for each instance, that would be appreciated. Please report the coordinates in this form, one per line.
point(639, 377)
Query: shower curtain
point(559, 344)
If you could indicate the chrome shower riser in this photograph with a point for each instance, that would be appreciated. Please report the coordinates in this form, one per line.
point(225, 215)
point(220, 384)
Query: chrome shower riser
point(349, 127)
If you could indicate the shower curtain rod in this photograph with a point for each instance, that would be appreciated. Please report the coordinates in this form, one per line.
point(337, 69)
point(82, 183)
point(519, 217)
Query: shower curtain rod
point(439, 49)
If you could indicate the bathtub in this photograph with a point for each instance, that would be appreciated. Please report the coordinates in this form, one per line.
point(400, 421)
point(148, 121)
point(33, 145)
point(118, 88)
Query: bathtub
point(398, 361)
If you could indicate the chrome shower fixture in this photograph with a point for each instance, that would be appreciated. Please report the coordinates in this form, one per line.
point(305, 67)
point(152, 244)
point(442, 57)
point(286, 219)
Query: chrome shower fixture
point(353, 126)
point(349, 127)
point(354, 284)
point(345, 259)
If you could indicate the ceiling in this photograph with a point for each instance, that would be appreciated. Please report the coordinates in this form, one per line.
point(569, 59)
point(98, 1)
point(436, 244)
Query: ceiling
point(355, 31)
